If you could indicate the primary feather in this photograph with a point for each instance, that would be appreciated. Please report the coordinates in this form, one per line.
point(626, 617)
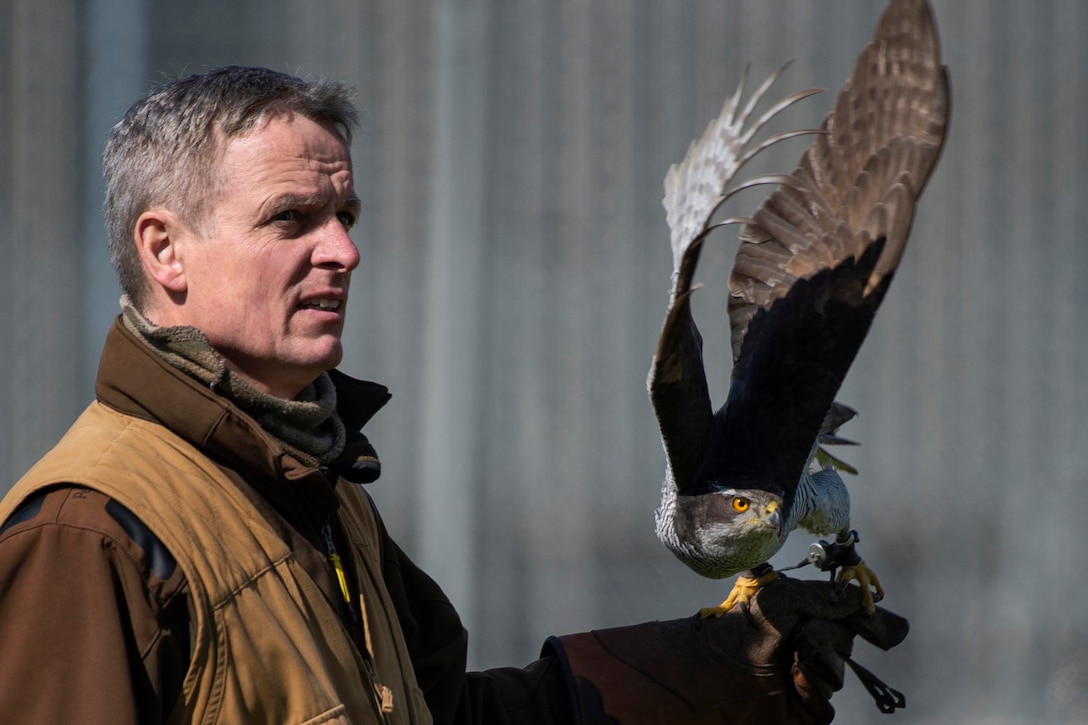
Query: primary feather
point(814, 263)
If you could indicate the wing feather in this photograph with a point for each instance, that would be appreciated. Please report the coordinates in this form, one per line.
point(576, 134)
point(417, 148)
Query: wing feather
point(694, 190)
point(825, 248)
point(814, 261)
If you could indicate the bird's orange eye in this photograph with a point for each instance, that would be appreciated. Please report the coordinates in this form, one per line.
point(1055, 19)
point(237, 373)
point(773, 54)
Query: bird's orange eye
point(741, 504)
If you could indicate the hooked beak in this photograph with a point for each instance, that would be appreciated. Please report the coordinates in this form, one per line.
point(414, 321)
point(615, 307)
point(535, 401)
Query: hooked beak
point(773, 517)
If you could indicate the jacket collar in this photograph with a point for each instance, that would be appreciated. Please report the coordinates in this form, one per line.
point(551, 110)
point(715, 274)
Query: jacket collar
point(134, 380)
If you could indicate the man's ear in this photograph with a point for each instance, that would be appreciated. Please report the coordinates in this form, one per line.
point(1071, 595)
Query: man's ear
point(159, 237)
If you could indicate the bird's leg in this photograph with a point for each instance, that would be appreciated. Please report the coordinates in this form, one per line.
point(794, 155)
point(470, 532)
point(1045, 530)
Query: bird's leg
point(843, 555)
point(744, 589)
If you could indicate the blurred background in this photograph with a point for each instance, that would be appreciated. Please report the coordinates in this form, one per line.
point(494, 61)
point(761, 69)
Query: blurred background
point(515, 274)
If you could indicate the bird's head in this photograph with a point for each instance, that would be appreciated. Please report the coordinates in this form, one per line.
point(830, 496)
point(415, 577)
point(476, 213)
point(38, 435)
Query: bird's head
point(751, 512)
point(723, 530)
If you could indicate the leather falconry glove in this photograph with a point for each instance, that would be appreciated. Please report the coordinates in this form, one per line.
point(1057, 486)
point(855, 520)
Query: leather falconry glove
point(776, 661)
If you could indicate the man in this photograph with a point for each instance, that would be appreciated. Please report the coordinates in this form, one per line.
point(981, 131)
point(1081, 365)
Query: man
point(198, 547)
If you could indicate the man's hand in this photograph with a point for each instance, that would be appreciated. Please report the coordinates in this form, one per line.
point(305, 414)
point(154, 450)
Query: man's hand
point(777, 660)
point(818, 621)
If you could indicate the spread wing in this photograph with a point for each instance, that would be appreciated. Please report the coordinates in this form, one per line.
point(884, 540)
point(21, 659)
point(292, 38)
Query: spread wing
point(694, 190)
point(813, 266)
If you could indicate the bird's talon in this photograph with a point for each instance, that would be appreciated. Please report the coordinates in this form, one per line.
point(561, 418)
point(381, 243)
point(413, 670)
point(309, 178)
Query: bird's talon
point(715, 612)
point(871, 590)
point(743, 591)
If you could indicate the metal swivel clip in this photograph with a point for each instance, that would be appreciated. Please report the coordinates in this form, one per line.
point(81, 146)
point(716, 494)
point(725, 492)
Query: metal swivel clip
point(831, 556)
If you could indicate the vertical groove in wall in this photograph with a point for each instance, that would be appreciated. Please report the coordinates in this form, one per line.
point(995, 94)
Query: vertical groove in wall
point(9, 468)
point(115, 71)
point(42, 254)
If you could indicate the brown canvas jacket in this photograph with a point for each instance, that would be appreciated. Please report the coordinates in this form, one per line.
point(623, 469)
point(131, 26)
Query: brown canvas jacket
point(94, 615)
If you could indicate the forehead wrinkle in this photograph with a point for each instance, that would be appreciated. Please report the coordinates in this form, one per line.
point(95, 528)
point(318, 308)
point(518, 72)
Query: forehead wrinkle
point(293, 170)
point(270, 155)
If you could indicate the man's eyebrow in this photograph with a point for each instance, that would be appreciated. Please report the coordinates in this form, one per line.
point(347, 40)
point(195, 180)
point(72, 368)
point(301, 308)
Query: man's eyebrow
point(280, 202)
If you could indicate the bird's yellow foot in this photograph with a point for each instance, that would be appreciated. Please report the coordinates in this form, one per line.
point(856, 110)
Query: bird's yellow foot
point(843, 556)
point(867, 580)
point(743, 590)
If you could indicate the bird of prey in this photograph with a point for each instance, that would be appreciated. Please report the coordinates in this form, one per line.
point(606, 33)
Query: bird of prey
point(814, 263)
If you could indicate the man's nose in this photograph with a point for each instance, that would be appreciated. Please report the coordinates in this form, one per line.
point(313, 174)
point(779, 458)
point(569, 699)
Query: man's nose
point(335, 248)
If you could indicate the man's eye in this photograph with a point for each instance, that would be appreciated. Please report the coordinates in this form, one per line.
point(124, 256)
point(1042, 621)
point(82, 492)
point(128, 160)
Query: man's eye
point(347, 219)
point(288, 215)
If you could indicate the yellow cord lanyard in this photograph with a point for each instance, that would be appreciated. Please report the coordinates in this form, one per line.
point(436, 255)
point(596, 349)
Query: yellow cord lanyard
point(384, 694)
point(338, 567)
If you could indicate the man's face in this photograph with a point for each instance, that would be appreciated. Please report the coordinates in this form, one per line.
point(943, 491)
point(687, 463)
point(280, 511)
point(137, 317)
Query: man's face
point(267, 282)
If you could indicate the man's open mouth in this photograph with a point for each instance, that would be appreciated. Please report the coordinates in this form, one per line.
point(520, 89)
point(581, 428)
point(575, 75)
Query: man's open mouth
point(321, 304)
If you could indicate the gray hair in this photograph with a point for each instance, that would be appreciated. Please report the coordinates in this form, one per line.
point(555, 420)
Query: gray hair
point(164, 150)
